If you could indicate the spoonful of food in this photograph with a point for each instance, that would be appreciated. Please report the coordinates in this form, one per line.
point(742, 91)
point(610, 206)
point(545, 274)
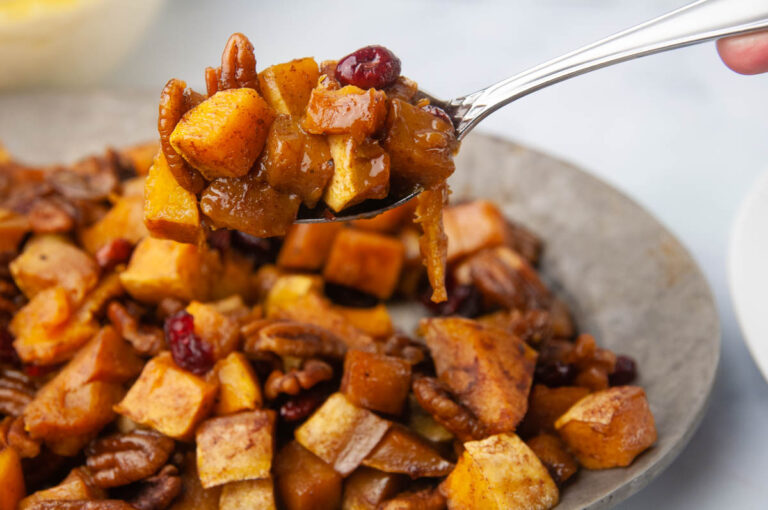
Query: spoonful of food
point(700, 21)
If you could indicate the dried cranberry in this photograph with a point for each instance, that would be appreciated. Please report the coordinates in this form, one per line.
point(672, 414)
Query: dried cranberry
point(261, 250)
point(554, 374)
point(347, 296)
point(220, 239)
point(624, 372)
point(437, 112)
point(463, 300)
point(302, 405)
point(117, 251)
point(189, 351)
point(8, 353)
point(369, 67)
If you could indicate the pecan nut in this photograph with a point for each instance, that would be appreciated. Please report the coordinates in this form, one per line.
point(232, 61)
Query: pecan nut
point(459, 420)
point(404, 347)
point(312, 371)
point(147, 340)
point(524, 242)
point(159, 491)
point(506, 279)
point(532, 326)
point(296, 339)
point(13, 434)
point(16, 391)
point(238, 64)
point(114, 252)
point(125, 458)
point(174, 102)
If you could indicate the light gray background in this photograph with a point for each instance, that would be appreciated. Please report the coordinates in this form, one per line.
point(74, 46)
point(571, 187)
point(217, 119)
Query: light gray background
point(678, 132)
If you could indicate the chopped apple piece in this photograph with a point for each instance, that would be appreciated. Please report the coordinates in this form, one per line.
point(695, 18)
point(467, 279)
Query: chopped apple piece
point(373, 321)
point(239, 388)
point(361, 172)
point(341, 433)
point(248, 495)
point(287, 87)
point(375, 381)
point(488, 369)
point(305, 482)
point(170, 211)
point(402, 451)
point(168, 398)
point(497, 473)
point(223, 135)
point(307, 245)
point(215, 328)
point(348, 110)
point(235, 448)
point(367, 488)
point(366, 261)
point(608, 428)
point(11, 479)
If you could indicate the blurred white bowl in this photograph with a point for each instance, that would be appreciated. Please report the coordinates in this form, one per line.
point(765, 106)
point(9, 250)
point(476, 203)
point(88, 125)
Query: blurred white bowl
point(68, 42)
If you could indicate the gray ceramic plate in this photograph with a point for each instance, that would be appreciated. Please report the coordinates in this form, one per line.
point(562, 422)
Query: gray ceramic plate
point(629, 281)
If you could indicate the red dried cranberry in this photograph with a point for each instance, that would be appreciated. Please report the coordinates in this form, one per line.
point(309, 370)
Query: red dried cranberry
point(189, 351)
point(463, 300)
point(437, 112)
point(8, 353)
point(554, 374)
point(347, 296)
point(369, 67)
point(302, 405)
point(117, 251)
point(624, 372)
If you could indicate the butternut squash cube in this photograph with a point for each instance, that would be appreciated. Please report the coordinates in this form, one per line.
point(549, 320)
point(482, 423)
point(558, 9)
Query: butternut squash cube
point(366, 261)
point(546, 405)
point(219, 331)
point(123, 221)
point(375, 381)
point(348, 110)
point(472, 227)
point(223, 135)
point(248, 495)
point(553, 453)
point(168, 398)
point(360, 172)
point(306, 246)
point(239, 388)
point(341, 433)
point(170, 211)
point(305, 482)
point(488, 369)
point(497, 473)
point(11, 479)
point(287, 288)
point(106, 358)
point(13, 228)
point(235, 448)
point(420, 144)
point(287, 87)
point(608, 428)
point(402, 451)
point(367, 488)
point(234, 278)
point(160, 268)
point(373, 321)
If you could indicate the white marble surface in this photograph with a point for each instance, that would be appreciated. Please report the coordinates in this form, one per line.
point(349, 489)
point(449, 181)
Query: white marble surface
point(678, 132)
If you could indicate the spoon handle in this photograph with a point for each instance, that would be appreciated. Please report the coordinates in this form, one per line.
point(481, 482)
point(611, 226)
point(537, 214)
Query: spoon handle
point(697, 22)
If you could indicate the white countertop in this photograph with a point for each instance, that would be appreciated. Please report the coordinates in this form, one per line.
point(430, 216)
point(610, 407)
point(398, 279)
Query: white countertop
point(678, 132)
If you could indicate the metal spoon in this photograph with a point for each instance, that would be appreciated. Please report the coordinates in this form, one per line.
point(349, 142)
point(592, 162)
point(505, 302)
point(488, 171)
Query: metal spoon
point(700, 21)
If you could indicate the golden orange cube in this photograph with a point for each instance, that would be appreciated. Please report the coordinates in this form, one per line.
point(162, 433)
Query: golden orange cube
point(348, 110)
point(374, 321)
point(123, 221)
point(360, 172)
point(239, 388)
point(287, 87)
point(546, 405)
point(472, 227)
point(305, 482)
point(218, 330)
point(248, 495)
point(307, 245)
point(13, 228)
point(375, 381)
point(11, 479)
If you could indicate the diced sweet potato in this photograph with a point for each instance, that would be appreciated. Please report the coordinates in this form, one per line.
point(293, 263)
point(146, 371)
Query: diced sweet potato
point(366, 488)
point(239, 388)
point(608, 428)
point(223, 135)
point(306, 246)
point(235, 278)
point(348, 110)
point(546, 405)
point(497, 473)
point(123, 221)
point(216, 329)
point(420, 144)
point(488, 369)
point(360, 172)
point(248, 495)
point(402, 451)
point(366, 261)
point(287, 288)
point(236, 447)
point(140, 156)
point(388, 222)
point(168, 399)
point(78, 485)
point(341, 433)
point(472, 227)
point(305, 482)
point(373, 321)
point(51, 260)
point(297, 162)
point(11, 479)
point(193, 496)
point(13, 228)
point(376, 381)
point(249, 204)
point(552, 452)
point(160, 268)
point(287, 87)
point(106, 358)
point(169, 210)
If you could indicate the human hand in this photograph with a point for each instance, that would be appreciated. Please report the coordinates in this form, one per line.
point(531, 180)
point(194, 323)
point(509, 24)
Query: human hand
point(745, 54)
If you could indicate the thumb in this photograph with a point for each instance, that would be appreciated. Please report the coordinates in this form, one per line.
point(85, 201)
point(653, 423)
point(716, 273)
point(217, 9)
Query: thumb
point(745, 54)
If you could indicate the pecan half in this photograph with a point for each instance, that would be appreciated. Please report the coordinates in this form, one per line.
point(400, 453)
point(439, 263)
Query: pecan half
point(114, 252)
point(16, 391)
point(52, 215)
point(13, 434)
point(147, 340)
point(524, 242)
point(531, 326)
point(298, 407)
point(212, 77)
point(405, 347)
point(238, 64)
point(125, 458)
point(312, 372)
point(157, 492)
point(173, 104)
point(506, 279)
point(436, 400)
point(296, 339)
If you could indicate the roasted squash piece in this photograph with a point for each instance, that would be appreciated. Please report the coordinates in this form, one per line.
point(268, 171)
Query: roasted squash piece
point(402, 451)
point(374, 321)
point(106, 358)
point(223, 135)
point(608, 428)
point(215, 328)
point(366, 488)
point(123, 221)
point(360, 172)
point(193, 496)
point(296, 162)
point(248, 495)
point(306, 246)
point(78, 485)
point(341, 433)
point(235, 448)
point(420, 144)
point(170, 211)
point(348, 110)
point(235, 278)
point(489, 370)
point(473, 226)
point(239, 388)
point(287, 288)
point(51, 260)
point(13, 228)
point(366, 261)
point(552, 452)
point(497, 473)
point(287, 87)
point(388, 222)
point(375, 381)
point(546, 405)
point(140, 156)
point(305, 482)
point(168, 398)
point(11, 479)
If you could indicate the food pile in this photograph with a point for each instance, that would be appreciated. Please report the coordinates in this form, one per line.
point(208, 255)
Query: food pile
point(252, 372)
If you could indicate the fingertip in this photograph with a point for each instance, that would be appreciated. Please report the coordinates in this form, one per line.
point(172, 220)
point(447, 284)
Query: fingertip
point(745, 54)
